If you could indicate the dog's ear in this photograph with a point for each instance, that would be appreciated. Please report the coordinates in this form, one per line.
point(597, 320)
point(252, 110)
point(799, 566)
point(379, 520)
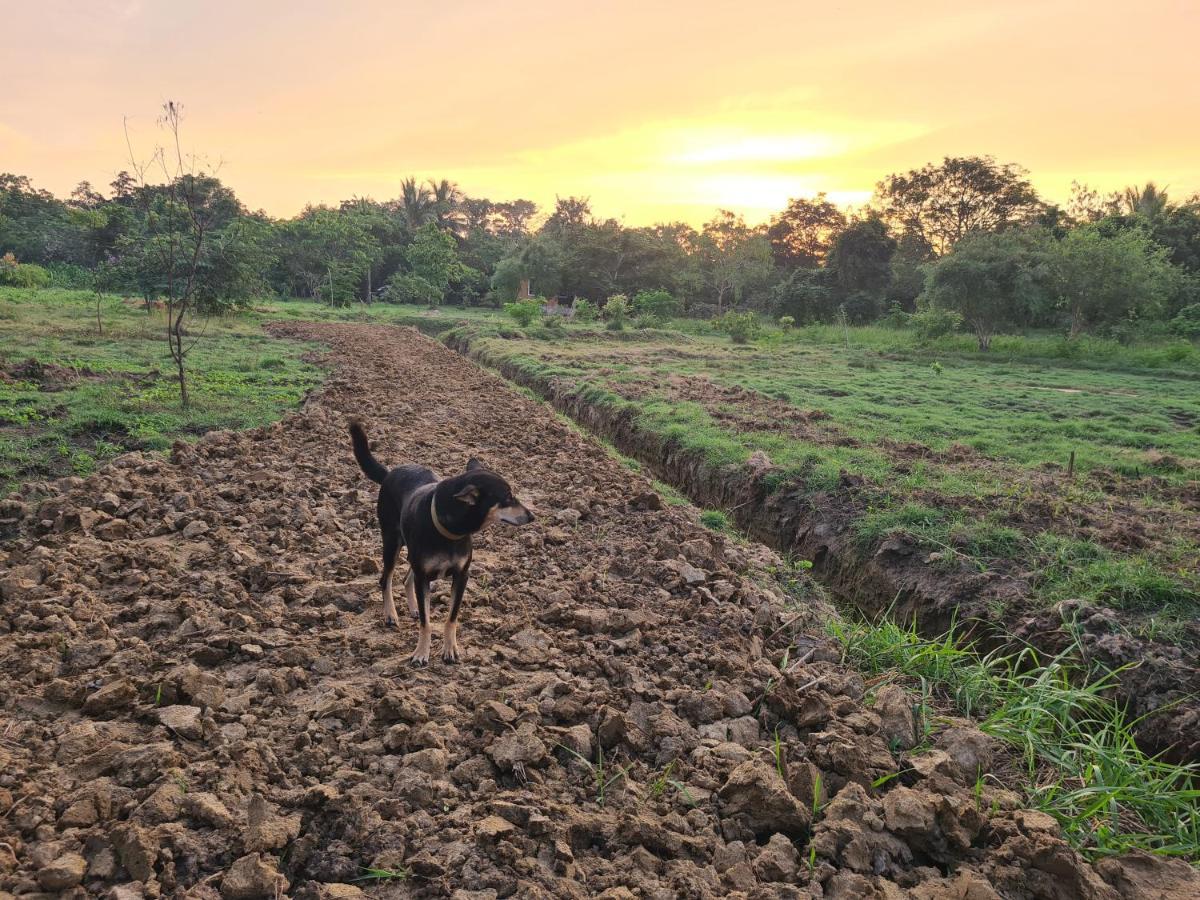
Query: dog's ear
point(468, 495)
point(474, 465)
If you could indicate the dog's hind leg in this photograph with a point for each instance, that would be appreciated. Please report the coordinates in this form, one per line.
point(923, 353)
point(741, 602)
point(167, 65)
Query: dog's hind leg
point(391, 549)
point(450, 631)
point(421, 587)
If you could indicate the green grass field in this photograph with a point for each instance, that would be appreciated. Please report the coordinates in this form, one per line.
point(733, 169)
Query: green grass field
point(967, 452)
point(71, 397)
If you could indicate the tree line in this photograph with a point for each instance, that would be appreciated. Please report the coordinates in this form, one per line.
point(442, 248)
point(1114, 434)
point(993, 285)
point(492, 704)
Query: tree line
point(966, 241)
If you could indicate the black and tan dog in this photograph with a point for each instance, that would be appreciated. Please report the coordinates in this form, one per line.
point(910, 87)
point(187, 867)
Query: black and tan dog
point(435, 520)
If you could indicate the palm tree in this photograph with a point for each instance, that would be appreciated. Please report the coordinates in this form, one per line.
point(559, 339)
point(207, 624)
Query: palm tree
point(1149, 202)
point(447, 202)
point(416, 202)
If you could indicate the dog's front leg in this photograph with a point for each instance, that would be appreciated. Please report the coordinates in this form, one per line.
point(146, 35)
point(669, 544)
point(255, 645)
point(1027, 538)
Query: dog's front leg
point(411, 593)
point(421, 586)
point(450, 632)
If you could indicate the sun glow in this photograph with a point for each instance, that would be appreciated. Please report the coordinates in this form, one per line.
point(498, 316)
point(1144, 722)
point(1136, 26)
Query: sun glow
point(655, 112)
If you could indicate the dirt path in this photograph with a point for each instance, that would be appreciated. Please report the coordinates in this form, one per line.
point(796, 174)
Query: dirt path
point(197, 697)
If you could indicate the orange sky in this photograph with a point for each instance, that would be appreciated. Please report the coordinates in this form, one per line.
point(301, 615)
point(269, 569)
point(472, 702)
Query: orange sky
point(655, 110)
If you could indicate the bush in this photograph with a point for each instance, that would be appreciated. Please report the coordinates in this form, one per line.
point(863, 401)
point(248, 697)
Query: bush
point(742, 327)
point(935, 322)
point(786, 323)
point(659, 304)
point(896, 318)
point(553, 321)
point(22, 275)
point(523, 311)
point(1187, 323)
point(71, 276)
point(404, 287)
point(616, 310)
point(647, 320)
point(586, 311)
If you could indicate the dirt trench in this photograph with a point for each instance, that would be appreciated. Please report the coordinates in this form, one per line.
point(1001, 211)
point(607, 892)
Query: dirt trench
point(198, 699)
point(1159, 684)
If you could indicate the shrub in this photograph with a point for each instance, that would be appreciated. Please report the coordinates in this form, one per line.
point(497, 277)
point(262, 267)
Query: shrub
point(896, 317)
point(647, 320)
point(523, 311)
point(786, 322)
point(659, 304)
point(553, 321)
point(23, 275)
point(69, 275)
point(616, 310)
point(1187, 323)
point(742, 327)
point(935, 322)
point(404, 287)
point(586, 311)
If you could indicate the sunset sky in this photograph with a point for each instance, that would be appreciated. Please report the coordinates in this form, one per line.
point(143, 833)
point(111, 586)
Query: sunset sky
point(654, 110)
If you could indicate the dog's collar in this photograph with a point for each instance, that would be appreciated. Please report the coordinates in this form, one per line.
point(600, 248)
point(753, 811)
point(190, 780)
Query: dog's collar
point(442, 529)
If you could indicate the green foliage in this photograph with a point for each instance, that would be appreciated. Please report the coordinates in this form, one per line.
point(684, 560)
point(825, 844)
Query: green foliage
point(22, 275)
point(742, 327)
point(992, 280)
point(786, 323)
point(717, 520)
point(523, 312)
point(1082, 762)
point(932, 322)
point(1187, 322)
point(896, 318)
point(586, 311)
point(616, 311)
point(1101, 279)
point(657, 304)
point(432, 257)
point(405, 287)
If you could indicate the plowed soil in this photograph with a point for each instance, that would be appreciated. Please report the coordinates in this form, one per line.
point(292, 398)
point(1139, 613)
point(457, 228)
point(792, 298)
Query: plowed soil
point(198, 697)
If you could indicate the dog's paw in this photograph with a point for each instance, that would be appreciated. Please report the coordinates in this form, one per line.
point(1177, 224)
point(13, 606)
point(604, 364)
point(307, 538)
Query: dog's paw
point(450, 657)
point(419, 662)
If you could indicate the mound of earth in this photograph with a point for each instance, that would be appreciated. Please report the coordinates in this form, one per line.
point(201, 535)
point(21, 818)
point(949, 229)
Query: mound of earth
point(199, 698)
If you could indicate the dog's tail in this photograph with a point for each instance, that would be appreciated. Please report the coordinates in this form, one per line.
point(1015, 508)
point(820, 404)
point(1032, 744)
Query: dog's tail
point(373, 468)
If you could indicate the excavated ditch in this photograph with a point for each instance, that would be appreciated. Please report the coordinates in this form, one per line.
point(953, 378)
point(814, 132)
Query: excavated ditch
point(1160, 686)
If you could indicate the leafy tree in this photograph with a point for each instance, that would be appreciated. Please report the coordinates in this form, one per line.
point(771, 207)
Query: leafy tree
point(733, 258)
point(991, 280)
point(801, 235)
point(860, 267)
point(943, 203)
point(1101, 279)
point(432, 256)
point(325, 254)
point(806, 295)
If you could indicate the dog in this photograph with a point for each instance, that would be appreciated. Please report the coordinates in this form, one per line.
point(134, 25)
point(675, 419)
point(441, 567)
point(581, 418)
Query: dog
point(434, 518)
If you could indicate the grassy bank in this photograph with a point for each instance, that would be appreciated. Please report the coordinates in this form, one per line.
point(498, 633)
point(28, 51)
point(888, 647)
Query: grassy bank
point(1079, 761)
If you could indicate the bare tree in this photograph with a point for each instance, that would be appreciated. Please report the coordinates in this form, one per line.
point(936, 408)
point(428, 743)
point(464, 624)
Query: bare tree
point(178, 221)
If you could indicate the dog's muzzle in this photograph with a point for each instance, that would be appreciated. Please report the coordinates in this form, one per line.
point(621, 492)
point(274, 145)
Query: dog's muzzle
point(515, 515)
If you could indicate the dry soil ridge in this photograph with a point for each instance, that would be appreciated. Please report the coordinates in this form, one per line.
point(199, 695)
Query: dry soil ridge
point(197, 698)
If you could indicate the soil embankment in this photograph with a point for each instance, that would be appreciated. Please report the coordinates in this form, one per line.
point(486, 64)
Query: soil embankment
point(197, 697)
